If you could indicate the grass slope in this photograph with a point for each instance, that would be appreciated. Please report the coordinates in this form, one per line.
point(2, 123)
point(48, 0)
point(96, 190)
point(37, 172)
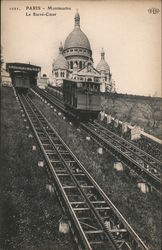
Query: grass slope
point(142, 211)
point(29, 216)
point(145, 112)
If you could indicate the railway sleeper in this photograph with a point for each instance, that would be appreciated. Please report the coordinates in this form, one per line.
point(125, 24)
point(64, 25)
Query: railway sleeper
point(64, 198)
point(127, 144)
point(140, 169)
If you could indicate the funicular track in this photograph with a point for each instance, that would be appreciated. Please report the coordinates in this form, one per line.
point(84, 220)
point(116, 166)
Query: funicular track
point(144, 164)
point(94, 221)
point(50, 97)
point(147, 166)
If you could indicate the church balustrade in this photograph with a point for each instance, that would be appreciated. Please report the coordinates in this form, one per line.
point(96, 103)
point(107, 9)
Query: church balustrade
point(78, 52)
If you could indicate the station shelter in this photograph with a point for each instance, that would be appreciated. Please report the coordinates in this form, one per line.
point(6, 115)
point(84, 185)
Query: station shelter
point(23, 75)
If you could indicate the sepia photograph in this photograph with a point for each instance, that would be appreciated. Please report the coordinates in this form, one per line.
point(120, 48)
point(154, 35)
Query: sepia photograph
point(81, 125)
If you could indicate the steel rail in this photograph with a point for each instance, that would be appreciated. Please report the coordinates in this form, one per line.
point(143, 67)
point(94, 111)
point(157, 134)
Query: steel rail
point(115, 245)
point(110, 144)
point(129, 152)
point(109, 236)
point(152, 161)
point(144, 153)
point(52, 169)
point(54, 101)
point(59, 104)
point(155, 163)
point(56, 91)
point(117, 144)
point(125, 227)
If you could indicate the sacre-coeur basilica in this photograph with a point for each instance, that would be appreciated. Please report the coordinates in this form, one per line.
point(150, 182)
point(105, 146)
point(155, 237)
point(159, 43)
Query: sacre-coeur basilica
point(75, 61)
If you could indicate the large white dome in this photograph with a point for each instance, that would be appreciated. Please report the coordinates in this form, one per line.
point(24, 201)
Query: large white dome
point(77, 38)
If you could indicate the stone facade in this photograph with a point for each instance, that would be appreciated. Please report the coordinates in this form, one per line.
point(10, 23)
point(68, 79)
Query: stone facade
point(75, 61)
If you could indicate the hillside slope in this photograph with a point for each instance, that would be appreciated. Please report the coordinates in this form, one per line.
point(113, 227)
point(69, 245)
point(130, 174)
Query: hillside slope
point(143, 111)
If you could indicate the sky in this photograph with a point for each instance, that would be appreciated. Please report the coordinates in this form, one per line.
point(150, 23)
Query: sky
point(128, 33)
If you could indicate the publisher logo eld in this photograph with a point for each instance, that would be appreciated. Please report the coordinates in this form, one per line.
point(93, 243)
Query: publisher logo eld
point(153, 10)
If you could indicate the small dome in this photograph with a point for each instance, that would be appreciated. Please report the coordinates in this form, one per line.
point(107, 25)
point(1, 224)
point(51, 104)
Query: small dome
point(103, 65)
point(60, 62)
point(77, 38)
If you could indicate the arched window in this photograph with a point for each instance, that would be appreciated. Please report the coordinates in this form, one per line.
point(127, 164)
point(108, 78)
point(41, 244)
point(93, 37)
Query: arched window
point(80, 64)
point(71, 64)
point(63, 74)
